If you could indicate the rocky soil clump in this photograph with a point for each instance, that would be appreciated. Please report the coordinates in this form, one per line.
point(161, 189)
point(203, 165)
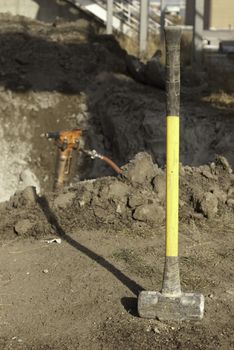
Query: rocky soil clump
point(134, 200)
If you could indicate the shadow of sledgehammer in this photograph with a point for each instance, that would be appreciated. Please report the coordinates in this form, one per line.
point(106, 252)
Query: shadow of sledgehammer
point(128, 282)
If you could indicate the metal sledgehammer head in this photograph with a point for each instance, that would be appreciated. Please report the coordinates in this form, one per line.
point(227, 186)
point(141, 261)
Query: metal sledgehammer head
point(186, 306)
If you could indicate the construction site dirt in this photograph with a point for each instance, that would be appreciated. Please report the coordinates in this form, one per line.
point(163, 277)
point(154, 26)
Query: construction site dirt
point(74, 261)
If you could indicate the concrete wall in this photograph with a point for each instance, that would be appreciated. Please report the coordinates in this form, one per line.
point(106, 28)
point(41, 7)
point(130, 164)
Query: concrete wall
point(27, 8)
point(43, 10)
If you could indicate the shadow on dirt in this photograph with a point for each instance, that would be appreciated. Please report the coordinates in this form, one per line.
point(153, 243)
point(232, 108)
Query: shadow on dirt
point(128, 282)
point(62, 9)
point(130, 305)
point(33, 63)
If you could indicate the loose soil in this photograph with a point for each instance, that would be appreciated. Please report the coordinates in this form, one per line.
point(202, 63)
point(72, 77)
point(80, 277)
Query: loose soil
point(81, 292)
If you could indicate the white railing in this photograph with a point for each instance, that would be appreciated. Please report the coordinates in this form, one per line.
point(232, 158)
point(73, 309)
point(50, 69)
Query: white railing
point(126, 14)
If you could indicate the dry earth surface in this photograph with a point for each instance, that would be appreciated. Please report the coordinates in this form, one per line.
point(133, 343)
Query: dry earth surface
point(81, 292)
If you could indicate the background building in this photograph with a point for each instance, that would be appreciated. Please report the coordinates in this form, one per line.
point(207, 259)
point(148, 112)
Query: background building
point(218, 14)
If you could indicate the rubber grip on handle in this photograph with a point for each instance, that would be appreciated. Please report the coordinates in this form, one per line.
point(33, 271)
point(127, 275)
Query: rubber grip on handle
point(172, 38)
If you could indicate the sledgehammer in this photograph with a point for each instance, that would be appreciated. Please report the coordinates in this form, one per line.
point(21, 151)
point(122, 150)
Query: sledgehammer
point(171, 303)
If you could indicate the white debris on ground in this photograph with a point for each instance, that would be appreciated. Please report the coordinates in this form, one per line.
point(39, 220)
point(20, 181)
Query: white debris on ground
point(15, 134)
point(12, 164)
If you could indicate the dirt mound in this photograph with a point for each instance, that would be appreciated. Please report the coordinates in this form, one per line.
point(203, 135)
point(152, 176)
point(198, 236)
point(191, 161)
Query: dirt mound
point(134, 200)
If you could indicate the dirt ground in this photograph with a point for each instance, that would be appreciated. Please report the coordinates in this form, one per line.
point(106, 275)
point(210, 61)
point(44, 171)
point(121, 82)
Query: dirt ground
point(80, 292)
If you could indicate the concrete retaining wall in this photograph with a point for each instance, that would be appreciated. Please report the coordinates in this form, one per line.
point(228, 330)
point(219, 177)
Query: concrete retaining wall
point(43, 10)
point(27, 8)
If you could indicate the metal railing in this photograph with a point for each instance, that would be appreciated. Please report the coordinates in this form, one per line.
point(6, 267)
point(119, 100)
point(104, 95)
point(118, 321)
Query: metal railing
point(134, 18)
point(127, 12)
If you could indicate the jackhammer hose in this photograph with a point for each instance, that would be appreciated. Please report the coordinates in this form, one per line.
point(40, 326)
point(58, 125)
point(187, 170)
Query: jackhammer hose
point(93, 154)
point(111, 163)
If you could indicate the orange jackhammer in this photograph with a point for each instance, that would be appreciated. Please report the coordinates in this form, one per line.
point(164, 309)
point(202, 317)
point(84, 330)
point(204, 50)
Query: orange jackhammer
point(67, 142)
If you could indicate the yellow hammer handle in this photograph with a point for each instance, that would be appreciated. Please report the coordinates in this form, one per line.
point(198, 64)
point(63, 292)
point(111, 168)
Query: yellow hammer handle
point(172, 198)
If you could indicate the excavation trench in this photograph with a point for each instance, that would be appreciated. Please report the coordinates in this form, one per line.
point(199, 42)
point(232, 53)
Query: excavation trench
point(119, 126)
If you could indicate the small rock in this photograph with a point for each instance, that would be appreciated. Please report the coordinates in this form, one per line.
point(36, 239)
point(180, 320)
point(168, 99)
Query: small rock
point(103, 215)
point(83, 107)
point(27, 197)
point(46, 178)
point(197, 216)
point(156, 330)
point(181, 203)
point(208, 175)
point(207, 205)
point(188, 169)
point(223, 162)
point(118, 190)
point(64, 200)
point(28, 178)
point(45, 271)
point(30, 194)
point(159, 186)
point(85, 193)
point(140, 170)
point(212, 166)
point(119, 209)
point(221, 195)
point(181, 170)
point(135, 199)
point(149, 213)
point(23, 226)
point(230, 291)
point(230, 203)
point(230, 192)
point(148, 328)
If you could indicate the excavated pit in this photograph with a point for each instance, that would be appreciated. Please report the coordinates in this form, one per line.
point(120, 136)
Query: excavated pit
point(83, 82)
point(62, 76)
